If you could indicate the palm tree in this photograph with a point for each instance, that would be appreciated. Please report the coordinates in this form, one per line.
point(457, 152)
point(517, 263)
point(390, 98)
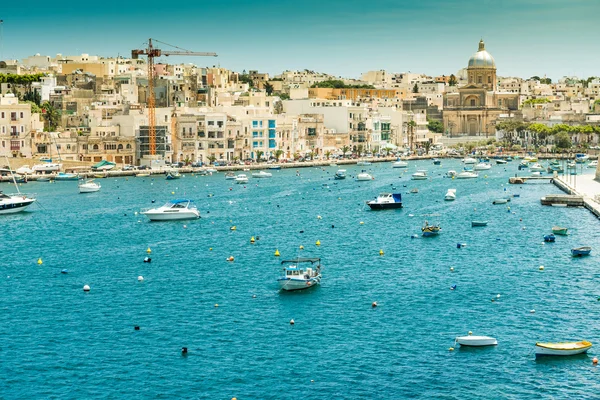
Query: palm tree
point(427, 145)
point(259, 155)
point(411, 137)
point(328, 154)
point(268, 88)
point(278, 153)
point(344, 151)
point(212, 158)
point(51, 116)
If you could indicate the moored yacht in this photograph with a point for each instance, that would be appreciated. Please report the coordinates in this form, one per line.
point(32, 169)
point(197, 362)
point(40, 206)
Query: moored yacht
point(467, 175)
point(241, 178)
point(450, 195)
point(399, 164)
point(262, 174)
point(89, 186)
point(420, 175)
point(174, 210)
point(364, 176)
point(385, 201)
point(340, 174)
point(14, 203)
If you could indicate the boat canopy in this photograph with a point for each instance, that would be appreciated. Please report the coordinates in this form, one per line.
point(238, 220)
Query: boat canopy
point(179, 201)
point(103, 163)
point(301, 260)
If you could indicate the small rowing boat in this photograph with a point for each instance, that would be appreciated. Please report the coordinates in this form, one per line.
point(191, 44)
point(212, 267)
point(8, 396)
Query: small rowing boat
point(562, 349)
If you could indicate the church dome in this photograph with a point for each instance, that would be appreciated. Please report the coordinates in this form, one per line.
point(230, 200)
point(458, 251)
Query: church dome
point(482, 59)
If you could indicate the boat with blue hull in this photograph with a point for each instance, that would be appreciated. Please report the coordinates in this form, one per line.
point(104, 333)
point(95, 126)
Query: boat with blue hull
point(298, 275)
point(386, 201)
point(430, 230)
point(581, 251)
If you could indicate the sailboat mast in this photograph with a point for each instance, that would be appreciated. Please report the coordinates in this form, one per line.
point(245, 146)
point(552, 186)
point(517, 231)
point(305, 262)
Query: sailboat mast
point(12, 173)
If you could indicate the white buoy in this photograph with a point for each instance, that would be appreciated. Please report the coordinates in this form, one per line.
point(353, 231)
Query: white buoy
point(497, 296)
point(532, 311)
point(86, 288)
point(140, 278)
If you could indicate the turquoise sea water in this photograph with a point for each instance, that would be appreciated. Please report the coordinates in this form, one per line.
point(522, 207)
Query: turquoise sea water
point(58, 342)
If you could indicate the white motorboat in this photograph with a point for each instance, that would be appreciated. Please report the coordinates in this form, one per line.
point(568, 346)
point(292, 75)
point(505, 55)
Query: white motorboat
point(385, 201)
point(364, 176)
point(451, 173)
point(399, 164)
point(24, 170)
point(469, 160)
point(230, 176)
point(482, 167)
point(297, 277)
point(562, 348)
point(262, 174)
point(536, 168)
point(592, 164)
point(89, 186)
point(467, 175)
point(211, 170)
point(340, 174)
point(501, 162)
point(363, 163)
point(14, 203)
point(581, 158)
point(47, 167)
point(174, 210)
point(450, 195)
point(241, 178)
point(420, 175)
point(501, 201)
point(476, 341)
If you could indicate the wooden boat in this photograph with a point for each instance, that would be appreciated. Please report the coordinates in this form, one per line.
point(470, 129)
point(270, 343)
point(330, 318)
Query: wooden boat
point(478, 223)
point(562, 349)
point(581, 251)
point(476, 341)
point(559, 230)
point(430, 230)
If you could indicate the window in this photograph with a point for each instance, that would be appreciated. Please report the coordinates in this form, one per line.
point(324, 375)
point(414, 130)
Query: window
point(479, 79)
point(489, 79)
point(68, 147)
point(21, 115)
point(128, 147)
point(2, 115)
point(472, 102)
point(95, 147)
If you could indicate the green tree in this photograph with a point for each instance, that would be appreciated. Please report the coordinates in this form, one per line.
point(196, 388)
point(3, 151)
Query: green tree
point(33, 96)
point(345, 149)
point(427, 146)
point(245, 78)
point(51, 116)
point(35, 109)
point(534, 78)
point(416, 88)
point(212, 158)
point(411, 133)
point(268, 88)
point(435, 126)
point(339, 84)
point(259, 154)
point(278, 153)
point(328, 154)
point(546, 81)
point(452, 81)
point(562, 140)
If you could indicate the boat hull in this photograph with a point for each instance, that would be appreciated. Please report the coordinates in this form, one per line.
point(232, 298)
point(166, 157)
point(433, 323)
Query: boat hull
point(478, 223)
point(581, 252)
point(384, 206)
point(476, 341)
point(289, 284)
point(561, 349)
point(15, 207)
point(166, 216)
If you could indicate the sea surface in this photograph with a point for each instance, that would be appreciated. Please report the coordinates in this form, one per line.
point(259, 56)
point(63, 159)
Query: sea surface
point(56, 341)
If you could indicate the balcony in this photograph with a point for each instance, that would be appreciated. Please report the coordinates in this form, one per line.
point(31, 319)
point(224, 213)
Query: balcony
point(15, 145)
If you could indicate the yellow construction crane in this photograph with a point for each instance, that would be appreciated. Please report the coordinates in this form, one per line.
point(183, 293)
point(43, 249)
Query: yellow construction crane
point(152, 52)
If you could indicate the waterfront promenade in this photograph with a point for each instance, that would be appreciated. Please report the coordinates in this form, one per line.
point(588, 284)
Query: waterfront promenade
point(582, 185)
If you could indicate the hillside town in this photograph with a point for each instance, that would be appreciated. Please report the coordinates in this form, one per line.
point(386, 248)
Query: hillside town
point(86, 108)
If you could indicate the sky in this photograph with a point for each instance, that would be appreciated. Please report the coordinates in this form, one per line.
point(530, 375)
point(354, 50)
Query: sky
point(552, 38)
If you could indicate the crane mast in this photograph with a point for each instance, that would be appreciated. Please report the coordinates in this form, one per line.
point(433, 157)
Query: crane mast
point(152, 52)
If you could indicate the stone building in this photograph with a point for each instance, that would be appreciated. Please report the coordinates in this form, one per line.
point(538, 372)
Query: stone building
point(474, 108)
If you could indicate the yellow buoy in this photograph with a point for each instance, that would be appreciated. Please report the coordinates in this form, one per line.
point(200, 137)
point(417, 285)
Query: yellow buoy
point(318, 243)
point(319, 217)
point(277, 253)
point(39, 261)
point(451, 348)
point(216, 305)
point(172, 192)
point(148, 250)
point(210, 248)
point(252, 239)
point(541, 267)
point(362, 223)
point(233, 228)
point(470, 333)
point(381, 252)
point(301, 247)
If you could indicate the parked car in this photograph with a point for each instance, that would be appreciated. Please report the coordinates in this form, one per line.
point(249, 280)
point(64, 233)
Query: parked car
point(143, 167)
point(129, 167)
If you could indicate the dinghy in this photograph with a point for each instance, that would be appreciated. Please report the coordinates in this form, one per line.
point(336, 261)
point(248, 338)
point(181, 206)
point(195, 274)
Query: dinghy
point(562, 349)
point(476, 341)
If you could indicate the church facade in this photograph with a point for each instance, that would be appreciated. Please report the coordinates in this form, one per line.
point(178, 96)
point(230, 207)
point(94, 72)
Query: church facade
point(474, 108)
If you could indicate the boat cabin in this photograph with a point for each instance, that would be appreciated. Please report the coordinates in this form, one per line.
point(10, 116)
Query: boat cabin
point(299, 268)
point(389, 198)
point(176, 205)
